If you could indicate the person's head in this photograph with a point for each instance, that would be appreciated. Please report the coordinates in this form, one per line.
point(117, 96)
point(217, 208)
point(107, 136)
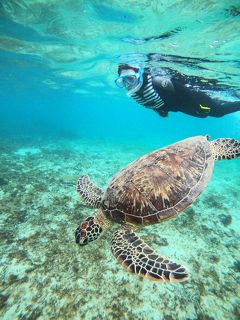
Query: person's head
point(130, 77)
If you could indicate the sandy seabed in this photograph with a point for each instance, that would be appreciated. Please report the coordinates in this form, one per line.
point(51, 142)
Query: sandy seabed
point(45, 275)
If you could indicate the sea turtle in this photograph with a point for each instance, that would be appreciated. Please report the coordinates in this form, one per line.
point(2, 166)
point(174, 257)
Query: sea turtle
point(150, 190)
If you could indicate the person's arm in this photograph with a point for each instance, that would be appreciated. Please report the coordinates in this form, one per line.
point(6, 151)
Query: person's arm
point(164, 83)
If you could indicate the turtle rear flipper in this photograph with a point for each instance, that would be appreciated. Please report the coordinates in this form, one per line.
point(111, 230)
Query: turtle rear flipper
point(88, 192)
point(139, 258)
point(225, 149)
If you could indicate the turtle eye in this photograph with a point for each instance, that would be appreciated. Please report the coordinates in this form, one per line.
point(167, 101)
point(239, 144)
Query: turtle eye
point(81, 236)
point(84, 225)
point(89, 218)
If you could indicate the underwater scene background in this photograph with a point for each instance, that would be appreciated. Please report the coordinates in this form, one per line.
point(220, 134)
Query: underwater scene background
point(61, 116)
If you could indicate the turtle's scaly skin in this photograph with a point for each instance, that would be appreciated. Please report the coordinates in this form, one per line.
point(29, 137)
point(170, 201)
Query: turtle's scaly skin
point(92, 194)
point(137, 257)
point(161, 184)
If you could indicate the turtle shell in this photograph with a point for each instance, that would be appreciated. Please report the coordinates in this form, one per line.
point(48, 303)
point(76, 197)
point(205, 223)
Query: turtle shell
point(160, 184)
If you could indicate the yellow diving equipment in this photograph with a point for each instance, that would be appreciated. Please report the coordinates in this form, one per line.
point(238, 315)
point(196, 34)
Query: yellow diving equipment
point(205, 109)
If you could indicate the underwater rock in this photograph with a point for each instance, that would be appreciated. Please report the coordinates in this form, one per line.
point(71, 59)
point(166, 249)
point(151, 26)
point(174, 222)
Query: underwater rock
point(161, 241)
point(236, 266)
point(3, 300)
point(214, 201)
point(236, 312)
point(214, 258)
point(233, 11)
point(13, 278)
point(225, 219)
point(202, 316)
point(3, 181)
point(7, 236)
point(30, 314)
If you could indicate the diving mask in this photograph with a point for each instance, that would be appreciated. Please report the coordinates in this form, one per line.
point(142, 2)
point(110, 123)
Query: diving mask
point(132, 81)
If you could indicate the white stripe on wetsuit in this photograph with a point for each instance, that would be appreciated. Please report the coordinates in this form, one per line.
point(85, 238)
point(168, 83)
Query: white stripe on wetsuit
point(149, 94)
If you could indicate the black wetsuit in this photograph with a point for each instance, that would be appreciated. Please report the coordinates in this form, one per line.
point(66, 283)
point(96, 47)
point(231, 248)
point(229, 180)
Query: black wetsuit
point(164, 94)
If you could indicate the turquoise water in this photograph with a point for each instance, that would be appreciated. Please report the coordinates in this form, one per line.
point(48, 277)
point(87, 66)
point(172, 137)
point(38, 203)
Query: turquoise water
point(61, 116)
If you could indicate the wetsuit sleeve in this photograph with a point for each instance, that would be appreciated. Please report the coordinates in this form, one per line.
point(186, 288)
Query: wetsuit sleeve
point(183, 96)
point(199, 104)
point(163, 84)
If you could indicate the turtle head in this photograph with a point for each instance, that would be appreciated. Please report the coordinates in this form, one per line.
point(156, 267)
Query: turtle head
point(88, 231)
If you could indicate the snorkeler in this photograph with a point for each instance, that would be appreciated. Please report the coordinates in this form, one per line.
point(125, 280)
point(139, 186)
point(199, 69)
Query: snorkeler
point(162, 93)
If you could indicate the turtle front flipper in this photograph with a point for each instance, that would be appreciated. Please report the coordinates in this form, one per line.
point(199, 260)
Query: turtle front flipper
point(88, 192)
point(139, 258)
point(225, 149)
